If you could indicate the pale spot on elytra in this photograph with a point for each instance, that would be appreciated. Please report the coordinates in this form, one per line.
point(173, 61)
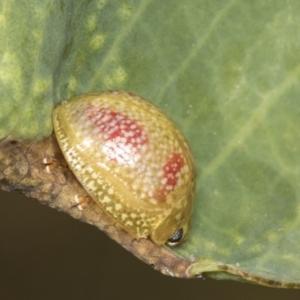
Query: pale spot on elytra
point(118, 206)
point(106, 199)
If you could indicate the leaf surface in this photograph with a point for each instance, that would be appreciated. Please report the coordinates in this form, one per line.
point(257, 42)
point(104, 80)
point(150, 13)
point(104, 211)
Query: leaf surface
point(227, 72)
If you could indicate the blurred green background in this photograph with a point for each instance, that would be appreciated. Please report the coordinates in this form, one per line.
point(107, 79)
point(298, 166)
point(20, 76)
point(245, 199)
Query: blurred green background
point(45, 255)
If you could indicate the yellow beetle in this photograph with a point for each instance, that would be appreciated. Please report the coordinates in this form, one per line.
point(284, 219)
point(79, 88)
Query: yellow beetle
point(132, 160)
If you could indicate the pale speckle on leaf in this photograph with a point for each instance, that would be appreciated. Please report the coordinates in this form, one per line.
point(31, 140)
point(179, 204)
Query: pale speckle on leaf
point(2, 21)
point(101, 4)
point(97, 41)
point(125, 11)
point(91, 23)
point(42, 85)
point(117, 77)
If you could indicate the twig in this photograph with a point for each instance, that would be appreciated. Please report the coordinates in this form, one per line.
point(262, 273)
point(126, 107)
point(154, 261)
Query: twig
point(22, 170)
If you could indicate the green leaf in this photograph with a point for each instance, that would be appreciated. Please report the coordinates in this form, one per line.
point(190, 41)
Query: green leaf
point(228, 74)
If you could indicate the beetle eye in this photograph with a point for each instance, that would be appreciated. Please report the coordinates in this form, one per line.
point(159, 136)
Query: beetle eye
point(175, 238)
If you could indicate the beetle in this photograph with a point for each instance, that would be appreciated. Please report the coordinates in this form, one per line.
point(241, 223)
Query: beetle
point(132, 160)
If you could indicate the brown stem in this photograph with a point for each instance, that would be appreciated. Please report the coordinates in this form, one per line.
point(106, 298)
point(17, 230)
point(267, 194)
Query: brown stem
point(22, 169)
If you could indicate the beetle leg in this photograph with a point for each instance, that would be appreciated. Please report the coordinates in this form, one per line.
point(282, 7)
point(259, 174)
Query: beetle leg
point(52, 163)
point(81, 201)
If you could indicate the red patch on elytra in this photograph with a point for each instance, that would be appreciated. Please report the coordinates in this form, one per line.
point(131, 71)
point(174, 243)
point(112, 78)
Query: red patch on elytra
point(126, 135)
point(171, 174)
